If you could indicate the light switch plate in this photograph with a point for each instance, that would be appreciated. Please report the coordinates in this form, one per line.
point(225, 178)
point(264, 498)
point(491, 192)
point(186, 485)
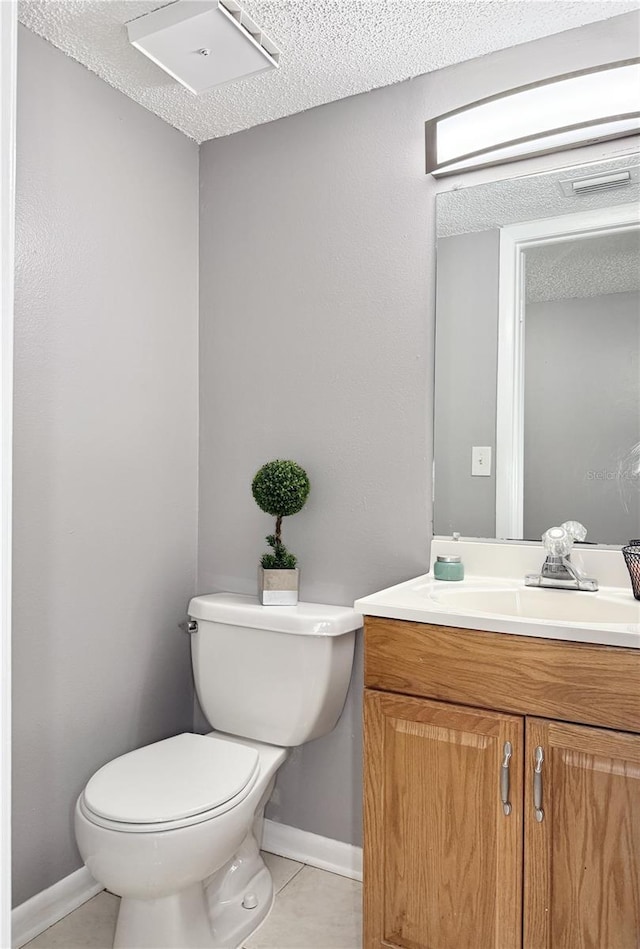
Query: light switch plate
point(481, 461)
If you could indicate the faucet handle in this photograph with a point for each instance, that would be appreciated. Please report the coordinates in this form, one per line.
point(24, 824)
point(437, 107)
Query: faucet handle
point(557, 542)
point(577, 530)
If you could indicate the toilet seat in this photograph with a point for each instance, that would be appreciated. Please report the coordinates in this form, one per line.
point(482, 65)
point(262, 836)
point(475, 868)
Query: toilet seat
point(173, 783)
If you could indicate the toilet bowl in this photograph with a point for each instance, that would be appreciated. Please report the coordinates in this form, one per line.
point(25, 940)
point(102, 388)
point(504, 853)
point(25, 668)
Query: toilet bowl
point(174, 828)
point(149, 831)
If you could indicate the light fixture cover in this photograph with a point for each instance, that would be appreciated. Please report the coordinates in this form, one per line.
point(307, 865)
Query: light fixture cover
point(203, 43)
point(588, 106)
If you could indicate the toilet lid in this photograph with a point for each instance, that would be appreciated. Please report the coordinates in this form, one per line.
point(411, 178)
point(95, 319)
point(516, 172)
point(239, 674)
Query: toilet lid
point(171, 779)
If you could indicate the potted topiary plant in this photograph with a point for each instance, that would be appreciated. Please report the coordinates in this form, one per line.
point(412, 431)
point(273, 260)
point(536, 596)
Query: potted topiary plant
point(280, 488)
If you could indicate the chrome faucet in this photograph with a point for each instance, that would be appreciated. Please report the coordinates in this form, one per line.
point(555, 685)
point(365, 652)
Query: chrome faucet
point(558, 571)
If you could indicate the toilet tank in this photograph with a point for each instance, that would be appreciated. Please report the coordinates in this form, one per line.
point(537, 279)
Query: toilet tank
point(277, 674)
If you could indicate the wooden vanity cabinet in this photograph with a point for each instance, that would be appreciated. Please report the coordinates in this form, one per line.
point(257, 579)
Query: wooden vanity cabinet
point(456, 856)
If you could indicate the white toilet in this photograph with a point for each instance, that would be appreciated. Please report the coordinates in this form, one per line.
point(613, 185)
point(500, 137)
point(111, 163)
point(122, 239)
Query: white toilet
point(174, 828)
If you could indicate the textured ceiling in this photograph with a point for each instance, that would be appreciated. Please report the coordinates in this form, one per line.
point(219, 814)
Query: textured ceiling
point(512, 200)
point(330, 49)
point(590, 267)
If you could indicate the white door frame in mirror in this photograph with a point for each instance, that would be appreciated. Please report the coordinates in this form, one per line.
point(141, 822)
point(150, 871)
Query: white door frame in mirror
point(8, 45)
point(514, 240)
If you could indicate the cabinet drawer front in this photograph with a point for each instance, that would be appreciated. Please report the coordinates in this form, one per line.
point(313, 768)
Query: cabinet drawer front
point(443, 861)
point(593, 685)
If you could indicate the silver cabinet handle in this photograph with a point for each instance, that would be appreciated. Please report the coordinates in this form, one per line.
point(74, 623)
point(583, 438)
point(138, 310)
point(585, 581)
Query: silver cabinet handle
point(504, 778)
point(537, 785)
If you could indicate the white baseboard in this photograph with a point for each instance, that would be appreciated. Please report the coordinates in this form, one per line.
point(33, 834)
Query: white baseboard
point(317, 851)
point(48, 907)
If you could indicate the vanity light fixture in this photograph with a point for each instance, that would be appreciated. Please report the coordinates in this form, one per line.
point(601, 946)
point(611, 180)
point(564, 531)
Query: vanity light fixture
point(203, 43)
point(580, 108)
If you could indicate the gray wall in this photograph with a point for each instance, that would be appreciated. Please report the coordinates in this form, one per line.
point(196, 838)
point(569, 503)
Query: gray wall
point(315, 346)
point(582, 415)
point(105, 442)
point(317, 314)
point(465, 381)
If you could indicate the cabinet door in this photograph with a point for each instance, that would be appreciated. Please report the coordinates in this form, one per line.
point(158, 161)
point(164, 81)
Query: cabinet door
point(582, 851)
point(443, 863)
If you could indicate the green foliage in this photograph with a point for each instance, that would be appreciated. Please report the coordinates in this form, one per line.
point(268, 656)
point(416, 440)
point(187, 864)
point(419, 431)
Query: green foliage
point(281, 488)
point(280, 559)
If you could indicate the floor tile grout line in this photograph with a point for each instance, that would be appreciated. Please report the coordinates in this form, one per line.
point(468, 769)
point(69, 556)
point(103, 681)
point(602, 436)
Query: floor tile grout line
point(299, 870)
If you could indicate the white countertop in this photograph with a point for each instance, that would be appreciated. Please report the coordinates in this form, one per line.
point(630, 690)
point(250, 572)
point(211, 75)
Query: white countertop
point(609, 617)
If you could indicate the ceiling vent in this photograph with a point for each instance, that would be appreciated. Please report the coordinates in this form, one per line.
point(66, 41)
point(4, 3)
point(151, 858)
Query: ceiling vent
point(203, 43)
point(614, 179)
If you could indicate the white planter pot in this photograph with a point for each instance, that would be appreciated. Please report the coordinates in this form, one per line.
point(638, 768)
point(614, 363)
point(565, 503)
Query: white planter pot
point(278, 587)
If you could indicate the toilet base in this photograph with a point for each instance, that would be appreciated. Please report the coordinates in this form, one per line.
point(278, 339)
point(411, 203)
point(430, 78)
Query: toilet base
point(177, 920)
point(220, 913)
point(233, 922)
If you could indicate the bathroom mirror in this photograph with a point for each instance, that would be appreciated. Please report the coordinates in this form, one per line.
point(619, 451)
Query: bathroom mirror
point(537, 390)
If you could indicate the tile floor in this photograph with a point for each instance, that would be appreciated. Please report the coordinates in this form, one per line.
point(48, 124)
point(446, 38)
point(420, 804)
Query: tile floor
point(313, 910)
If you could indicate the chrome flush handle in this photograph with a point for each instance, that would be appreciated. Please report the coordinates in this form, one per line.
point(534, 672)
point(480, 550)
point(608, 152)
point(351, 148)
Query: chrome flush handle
point(504, 778)
point(537, 785)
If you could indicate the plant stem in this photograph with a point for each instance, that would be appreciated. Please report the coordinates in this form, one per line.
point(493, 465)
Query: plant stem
point(278, 530)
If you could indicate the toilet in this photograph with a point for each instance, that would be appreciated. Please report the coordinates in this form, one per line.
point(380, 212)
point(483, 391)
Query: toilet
point(174, 828)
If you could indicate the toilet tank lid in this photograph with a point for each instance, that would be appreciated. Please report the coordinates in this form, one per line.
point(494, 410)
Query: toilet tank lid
point(304, 619)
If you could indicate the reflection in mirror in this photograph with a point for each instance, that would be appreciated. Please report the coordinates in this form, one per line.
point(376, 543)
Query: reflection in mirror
point(582, 379)
point(538, 356)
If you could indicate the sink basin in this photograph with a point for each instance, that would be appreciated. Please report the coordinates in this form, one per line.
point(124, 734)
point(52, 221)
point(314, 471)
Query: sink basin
point(493, 597)
point(565, 606)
